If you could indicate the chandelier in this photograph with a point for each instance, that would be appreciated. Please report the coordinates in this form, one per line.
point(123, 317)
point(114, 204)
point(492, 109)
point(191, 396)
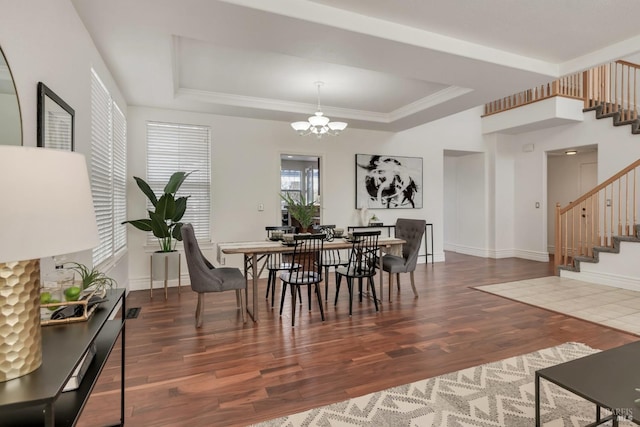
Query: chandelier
point(319, 124)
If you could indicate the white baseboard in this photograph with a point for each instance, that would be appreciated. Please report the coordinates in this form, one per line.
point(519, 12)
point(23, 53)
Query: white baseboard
point(142, 283)
point(439, 257)
point(497, 254)
point(607, 279)
point(467, 250)
point(532, 255)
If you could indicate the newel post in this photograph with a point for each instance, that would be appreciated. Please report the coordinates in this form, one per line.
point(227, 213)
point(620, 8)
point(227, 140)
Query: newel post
point(557, 256)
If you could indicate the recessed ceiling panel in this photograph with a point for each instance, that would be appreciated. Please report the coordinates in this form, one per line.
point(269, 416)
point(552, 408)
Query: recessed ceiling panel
point(261, 74)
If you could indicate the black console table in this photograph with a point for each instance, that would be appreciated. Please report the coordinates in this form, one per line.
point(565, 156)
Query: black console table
point(428, 233)
point(608, 379)
point(37, 399)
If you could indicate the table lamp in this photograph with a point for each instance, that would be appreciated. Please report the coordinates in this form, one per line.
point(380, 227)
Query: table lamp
point(47, 210)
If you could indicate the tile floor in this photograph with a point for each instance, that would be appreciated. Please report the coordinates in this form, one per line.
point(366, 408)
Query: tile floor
point(606, 305)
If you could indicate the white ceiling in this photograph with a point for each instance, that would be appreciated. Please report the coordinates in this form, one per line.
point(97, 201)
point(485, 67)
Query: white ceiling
point(387, 65)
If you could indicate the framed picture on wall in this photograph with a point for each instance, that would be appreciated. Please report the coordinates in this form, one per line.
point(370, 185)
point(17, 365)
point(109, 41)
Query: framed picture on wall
point(55, 120)
point(388, 182)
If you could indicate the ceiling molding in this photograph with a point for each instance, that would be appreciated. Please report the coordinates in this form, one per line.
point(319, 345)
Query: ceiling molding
point(175, 69)
point(351, 21)
point(439, 97)
point(304, 108)
point(278, 105)
point(609, 54)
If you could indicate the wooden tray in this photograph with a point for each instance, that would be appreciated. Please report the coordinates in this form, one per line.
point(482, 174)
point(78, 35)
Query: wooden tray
point(86, 312)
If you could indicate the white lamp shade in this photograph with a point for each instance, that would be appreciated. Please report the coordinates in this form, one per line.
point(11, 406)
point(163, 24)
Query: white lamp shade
point(318, 120)
point(337, 126)
point(300, 126)
point(47, 208)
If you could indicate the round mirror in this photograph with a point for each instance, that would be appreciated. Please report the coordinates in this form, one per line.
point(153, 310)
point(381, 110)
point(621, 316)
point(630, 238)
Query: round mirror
point(10, 122)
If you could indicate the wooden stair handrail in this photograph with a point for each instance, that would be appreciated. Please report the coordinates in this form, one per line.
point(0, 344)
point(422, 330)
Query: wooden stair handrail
point(598, 218)
point(601, 186)
point(594, 91)
point(629, 64)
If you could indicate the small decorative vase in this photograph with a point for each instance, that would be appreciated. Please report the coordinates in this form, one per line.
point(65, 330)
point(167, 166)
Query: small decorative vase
point(364, 216)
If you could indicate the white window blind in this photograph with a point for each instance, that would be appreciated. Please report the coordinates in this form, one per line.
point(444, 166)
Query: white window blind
point(175, 147)
point(119, 179)
point(108, 170)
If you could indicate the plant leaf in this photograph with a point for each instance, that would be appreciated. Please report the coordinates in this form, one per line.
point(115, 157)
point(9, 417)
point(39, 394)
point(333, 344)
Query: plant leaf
point(181, 207)
point(146, 190)
point(301, 210)
point(175, 182)
point(166, 207)
point(177, 231)
point(159, 226)
point(140, 224)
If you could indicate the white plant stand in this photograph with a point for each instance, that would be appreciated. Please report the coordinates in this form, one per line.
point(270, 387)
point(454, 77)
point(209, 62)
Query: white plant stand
point(164, 266)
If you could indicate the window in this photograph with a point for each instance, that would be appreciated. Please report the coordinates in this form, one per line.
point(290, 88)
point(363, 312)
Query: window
point(175, 147)
point(108, 170)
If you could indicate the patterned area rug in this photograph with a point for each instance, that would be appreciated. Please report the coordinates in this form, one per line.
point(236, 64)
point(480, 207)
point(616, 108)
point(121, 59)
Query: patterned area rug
point(496, 394)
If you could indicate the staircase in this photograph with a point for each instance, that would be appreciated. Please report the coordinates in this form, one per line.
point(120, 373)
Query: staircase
point(598, 224)
point(597, 250)
point(611, 90)
point(619, 116)
point(606, 218)
point(615, 266)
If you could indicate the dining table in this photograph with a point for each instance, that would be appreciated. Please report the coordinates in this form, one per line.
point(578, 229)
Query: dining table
point(255, 255)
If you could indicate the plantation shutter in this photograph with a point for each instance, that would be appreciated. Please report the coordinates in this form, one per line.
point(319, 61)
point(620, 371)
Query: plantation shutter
point(108, 170)
point(101, 167)
point(119, 178)
point(178, 147)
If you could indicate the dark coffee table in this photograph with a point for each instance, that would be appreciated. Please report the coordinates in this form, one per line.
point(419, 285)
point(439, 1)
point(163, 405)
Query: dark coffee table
point(608, 379)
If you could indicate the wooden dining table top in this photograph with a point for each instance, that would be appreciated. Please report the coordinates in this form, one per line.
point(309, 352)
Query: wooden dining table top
point(269, 246)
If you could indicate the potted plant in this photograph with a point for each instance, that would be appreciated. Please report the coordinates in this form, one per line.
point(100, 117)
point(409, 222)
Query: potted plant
point(374, 221)
point(164, 223)
point(301, 210)
point(91, 278)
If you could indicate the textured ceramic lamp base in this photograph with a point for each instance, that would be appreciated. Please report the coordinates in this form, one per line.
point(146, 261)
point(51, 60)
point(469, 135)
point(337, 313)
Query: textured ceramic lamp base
point(20, 338)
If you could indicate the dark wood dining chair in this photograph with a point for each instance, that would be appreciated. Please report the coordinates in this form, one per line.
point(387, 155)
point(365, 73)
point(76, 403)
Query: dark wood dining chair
point(331, 257)
point(363, 261)
point(305, 270)
point(207, 278)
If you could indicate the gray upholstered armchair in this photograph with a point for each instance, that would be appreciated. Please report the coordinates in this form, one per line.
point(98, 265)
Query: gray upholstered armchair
point(412, 231)
point(206, 278)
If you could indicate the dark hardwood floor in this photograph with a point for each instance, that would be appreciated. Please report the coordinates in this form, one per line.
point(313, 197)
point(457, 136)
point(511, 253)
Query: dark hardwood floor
point(230, 374)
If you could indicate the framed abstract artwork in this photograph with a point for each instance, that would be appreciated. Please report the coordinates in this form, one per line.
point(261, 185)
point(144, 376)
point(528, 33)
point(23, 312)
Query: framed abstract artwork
point(388, 182)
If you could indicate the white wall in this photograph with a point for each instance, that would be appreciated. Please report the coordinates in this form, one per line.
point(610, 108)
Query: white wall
point(246, 164)
point(515, 177)
point(245, 171)
point(44, 40)
point(617, 148)
point(450, 203)
point(465, 204)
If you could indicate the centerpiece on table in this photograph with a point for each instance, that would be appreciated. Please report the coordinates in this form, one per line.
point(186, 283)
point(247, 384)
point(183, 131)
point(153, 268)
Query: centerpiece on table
point(301, 210)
